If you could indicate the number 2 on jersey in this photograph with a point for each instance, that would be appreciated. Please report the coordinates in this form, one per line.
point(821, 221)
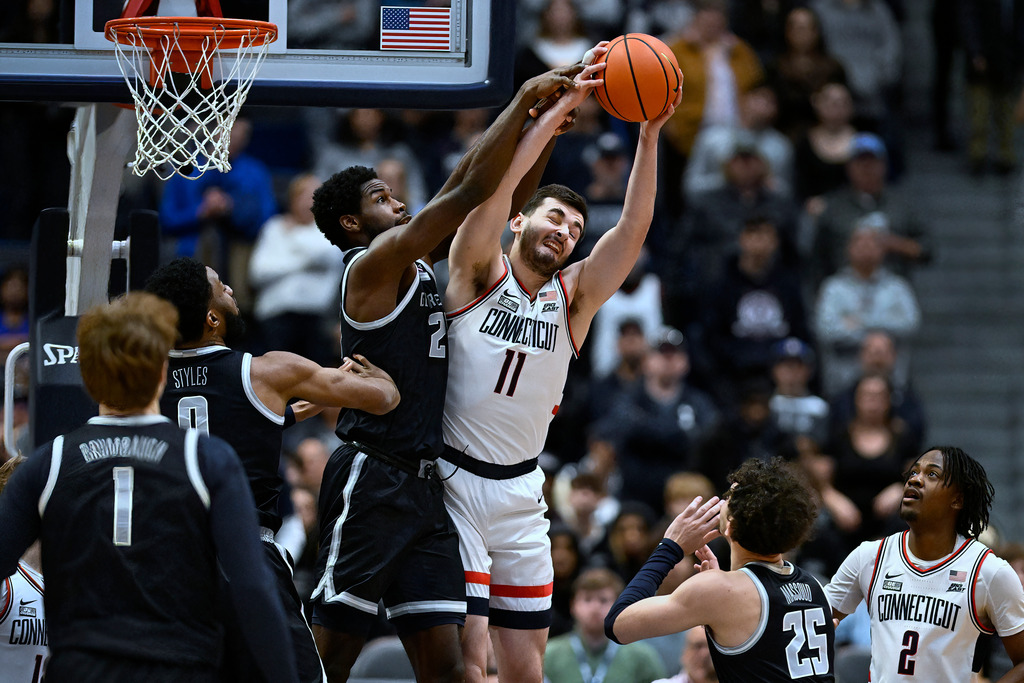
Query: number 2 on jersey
point(804, 625)
point(510, 355)
point(910, 640)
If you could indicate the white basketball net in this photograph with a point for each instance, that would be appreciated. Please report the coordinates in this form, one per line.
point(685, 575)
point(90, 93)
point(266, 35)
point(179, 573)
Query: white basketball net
point(184, 127)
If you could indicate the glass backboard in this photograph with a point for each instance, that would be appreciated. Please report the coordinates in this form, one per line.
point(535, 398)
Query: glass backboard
point(329, 53)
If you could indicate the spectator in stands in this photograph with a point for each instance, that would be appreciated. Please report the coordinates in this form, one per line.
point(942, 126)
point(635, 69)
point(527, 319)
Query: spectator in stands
point(295, 275)
point(14, 321)
point(878, 355)
point(865, 38)
point(567, 561)
point(797, 411)
point(365, 137)
point(871, 452)
point(714, 144)
point(695, 660)
point(561, 39)
point(802, 68)
point(760, 23)
point(638, 300)
point(719, 68)
point(632, 348)
point(748, 431)
point(660, 424)
point(756, 303)
point(823, 150)
point(582, 511)
point(862, 297)
point(993, 34)
point(629, 541)
point(713, 223)
point(601, 462)
point(608, 162)
point(866, 192)
point(216, 218)
point(587, 654)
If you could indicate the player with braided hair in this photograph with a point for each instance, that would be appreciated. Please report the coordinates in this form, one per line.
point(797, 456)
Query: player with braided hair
point(933, 590)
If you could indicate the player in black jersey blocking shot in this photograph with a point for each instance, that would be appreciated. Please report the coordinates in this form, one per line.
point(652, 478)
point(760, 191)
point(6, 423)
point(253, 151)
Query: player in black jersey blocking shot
point(766, 619)
point(381, 482)
point(244, 400)
point(135, 516)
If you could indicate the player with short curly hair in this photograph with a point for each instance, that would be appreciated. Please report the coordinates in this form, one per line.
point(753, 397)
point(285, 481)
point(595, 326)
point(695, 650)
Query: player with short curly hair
point(766, 619)
point(770, 510)
point(340, 196)
point(932, 591)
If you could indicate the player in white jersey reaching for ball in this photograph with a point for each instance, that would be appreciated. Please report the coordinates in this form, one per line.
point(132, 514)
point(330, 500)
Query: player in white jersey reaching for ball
point(933, 590)
point(515, 322)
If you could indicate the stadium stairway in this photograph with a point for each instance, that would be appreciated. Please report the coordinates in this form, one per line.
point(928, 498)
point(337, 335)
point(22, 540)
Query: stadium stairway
point(968, 359)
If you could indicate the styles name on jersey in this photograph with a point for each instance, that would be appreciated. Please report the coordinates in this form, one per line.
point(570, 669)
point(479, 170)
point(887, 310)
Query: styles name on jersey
point(194, 376)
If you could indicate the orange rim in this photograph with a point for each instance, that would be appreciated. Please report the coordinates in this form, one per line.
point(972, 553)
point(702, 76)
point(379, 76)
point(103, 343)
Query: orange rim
point(191, 32)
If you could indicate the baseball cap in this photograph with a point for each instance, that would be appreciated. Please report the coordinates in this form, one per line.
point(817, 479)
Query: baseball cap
point(744, 143)
point(606, 146)
point(868, 143)
point(792, 348)
point(670, 339)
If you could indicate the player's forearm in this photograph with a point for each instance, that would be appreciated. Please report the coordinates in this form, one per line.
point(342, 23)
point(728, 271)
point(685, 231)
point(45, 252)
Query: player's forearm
point(638, 208)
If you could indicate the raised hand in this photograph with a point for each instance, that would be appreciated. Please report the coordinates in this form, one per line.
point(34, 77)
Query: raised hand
point(707, 559)
point(696, 525)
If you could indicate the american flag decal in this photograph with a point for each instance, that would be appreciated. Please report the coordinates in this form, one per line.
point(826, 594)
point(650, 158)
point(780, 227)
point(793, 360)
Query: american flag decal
point(415, 28)
point(549, 295)
point(957, 576)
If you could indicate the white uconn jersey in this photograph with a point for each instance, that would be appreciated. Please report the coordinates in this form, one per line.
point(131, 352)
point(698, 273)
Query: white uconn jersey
point(926, 617)
point(22, 627)
point(510, 357)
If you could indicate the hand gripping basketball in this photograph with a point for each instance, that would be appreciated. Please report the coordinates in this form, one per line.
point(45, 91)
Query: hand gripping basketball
point(642, 79)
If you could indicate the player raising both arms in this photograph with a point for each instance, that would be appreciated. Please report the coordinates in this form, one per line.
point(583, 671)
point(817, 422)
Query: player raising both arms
point(515, 322)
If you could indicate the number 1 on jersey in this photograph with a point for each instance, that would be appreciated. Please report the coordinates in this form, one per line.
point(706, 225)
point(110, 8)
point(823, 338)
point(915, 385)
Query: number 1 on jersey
point(124, 486)
point(510, 355)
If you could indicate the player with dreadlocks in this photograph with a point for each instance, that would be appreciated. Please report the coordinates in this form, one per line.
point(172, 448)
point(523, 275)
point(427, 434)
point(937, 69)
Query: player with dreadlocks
point(933, 590)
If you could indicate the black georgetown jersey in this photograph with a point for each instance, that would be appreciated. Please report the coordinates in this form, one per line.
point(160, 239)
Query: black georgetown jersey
point(125, 511)
point(210, 389)
point(795, 639)
point(411, 345)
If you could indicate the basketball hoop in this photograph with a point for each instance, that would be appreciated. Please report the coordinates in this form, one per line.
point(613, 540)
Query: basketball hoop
point(189, 77)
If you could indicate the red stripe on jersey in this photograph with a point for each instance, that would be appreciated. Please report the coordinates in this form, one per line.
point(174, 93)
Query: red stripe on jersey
point(478, 577)
point(28, 577)
point(928, 570)
point(568, 322)
point(503, 591)
point(474, 302)
point(5, 608)
point(972, 602)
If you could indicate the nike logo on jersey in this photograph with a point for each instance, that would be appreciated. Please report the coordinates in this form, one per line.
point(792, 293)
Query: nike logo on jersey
point(27, 602)
point(893, 576)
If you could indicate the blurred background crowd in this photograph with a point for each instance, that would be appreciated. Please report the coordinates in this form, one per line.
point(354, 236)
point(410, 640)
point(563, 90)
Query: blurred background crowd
point(776, 309)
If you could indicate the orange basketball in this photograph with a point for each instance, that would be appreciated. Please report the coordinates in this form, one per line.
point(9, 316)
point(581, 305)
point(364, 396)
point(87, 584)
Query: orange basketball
point(641, 80)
